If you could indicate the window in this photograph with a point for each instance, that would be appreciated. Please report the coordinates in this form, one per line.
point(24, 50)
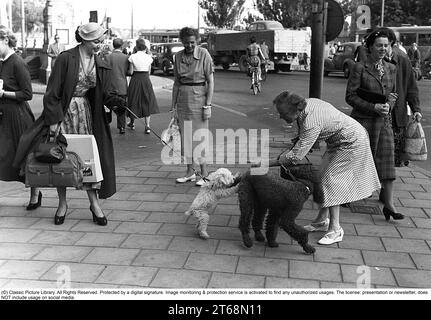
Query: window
point(424, 40)
point(348, 50)
point(260, 26)
point(407, 38)
point(253, 27)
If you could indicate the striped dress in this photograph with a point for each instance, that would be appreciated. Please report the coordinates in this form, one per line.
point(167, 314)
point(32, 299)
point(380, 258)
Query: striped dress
point(347, 171)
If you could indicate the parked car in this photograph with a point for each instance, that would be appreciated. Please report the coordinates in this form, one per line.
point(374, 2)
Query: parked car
point(163, 56)
point(343, 59)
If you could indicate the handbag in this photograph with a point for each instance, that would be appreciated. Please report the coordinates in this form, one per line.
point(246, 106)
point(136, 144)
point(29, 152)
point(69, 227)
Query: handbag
point(67, 173)
point(371, 96)
point(52, 149)
point(415, 147)
point(172, 136)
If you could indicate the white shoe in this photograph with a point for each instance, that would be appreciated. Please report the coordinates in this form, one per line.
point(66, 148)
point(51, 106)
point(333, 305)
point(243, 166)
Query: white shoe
point(200, 182)
point(185, 179)
point(321, 226)
point(332, 237)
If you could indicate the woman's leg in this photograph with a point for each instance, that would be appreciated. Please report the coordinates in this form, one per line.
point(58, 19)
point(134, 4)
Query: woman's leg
point(334, 218)
point(204, 170)
point(147, 121)
point(62, 202)
point(388, 194)
point(94, 203)
point(34, 195)
point(321, 216)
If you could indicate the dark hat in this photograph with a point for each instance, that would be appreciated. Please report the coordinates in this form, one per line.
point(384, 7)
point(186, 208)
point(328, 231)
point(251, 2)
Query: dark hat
point(91, 31)
point(369, 41)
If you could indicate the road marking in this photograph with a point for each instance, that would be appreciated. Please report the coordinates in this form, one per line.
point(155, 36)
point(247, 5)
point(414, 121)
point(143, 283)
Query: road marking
point(230, 110)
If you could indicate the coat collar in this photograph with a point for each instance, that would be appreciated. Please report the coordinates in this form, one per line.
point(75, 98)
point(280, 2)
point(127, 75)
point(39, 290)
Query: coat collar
point(372, 70)
point(100, 63)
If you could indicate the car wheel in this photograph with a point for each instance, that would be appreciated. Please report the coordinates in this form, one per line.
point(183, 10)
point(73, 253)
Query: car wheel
point(346, 71)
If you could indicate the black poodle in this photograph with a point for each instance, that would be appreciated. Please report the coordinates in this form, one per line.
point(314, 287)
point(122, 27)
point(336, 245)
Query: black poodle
point(283, 199)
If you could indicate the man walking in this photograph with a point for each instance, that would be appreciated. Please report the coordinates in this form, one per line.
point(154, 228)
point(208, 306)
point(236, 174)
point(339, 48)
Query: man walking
point(54, 49)
point(119, 63)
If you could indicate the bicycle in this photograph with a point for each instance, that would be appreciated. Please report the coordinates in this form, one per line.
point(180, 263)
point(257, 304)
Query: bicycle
point(255, 82)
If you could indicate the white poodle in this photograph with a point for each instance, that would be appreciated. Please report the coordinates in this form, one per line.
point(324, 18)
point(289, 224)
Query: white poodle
point(221, 184)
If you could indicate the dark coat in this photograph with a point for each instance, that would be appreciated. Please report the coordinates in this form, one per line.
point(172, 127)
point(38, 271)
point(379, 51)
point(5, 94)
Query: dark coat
point(407, 88)
point(364, 75)
point(56, 100)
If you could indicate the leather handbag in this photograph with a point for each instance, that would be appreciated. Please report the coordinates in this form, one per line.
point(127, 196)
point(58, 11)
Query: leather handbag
point(52, 149)
point(67, 173)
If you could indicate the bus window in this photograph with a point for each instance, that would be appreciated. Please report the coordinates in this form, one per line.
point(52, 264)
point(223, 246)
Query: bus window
point(424, 40)
point(407, 38)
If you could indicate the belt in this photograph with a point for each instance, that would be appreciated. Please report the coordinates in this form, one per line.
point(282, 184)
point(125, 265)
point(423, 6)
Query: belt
point(194, 84)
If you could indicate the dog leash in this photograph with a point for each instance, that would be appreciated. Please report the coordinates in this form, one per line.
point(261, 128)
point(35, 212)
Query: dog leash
point(163, 142)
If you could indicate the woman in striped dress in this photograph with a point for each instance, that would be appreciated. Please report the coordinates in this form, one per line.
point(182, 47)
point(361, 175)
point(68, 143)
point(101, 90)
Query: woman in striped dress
point(347, 171)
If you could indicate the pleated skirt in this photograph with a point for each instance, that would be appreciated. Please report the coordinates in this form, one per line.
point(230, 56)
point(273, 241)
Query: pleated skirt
point(141, 98)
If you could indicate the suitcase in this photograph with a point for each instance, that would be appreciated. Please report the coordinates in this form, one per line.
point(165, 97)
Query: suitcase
point(67, 173)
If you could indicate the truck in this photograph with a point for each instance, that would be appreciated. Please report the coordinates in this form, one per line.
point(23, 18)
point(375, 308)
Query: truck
point(230, 46)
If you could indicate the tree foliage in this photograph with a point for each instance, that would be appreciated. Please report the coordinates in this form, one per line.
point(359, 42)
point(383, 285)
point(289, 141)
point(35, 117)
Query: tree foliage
point(33, 15)
point(222, 13)
point(290, 13)
point(396, 13)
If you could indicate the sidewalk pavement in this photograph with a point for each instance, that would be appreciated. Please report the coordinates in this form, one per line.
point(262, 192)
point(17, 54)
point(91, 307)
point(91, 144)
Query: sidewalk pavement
point(150, 243)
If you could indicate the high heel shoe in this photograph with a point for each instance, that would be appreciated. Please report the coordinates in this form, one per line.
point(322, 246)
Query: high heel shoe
point(100, 221)
point(33, 206)
point(395, 215)
point(58, 220)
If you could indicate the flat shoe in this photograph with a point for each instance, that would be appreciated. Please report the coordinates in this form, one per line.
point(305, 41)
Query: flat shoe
point(200, 182)
point(332, 237)
point(321, 226)
point(185, 179)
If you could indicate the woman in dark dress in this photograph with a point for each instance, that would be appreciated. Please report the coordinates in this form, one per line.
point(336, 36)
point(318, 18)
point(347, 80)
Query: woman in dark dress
point(15, 113)
point(370, 91)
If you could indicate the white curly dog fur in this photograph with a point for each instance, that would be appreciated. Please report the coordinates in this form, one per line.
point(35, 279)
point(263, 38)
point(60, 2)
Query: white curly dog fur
point(220, 185)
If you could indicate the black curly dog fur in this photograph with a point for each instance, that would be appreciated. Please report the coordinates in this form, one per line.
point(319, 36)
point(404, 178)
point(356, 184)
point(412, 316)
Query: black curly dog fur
point(283, 199)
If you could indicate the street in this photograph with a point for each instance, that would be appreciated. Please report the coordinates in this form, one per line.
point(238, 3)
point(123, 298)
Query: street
point(236, 107)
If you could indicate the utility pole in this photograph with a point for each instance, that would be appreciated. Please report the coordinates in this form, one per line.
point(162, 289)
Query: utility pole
point(131, 29)
point(318, 39)
point(24, 48)
point(383, 14)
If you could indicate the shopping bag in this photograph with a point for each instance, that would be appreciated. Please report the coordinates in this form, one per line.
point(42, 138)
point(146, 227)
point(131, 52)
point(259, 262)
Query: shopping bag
point(171, 136)
point(86, 147)
point(415, 148)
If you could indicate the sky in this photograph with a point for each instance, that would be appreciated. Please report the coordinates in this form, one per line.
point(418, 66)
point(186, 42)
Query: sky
point(148, 14)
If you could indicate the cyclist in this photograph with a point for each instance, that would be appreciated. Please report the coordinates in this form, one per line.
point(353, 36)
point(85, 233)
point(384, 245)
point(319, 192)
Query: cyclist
point(254, 57)
point(265, 52)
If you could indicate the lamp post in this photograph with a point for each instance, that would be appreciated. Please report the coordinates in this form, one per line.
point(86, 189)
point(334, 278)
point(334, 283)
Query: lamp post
point(24, 48)
point(383, 13)
point(131, 29)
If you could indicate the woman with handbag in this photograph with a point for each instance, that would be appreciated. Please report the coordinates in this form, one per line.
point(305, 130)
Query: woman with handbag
point(371, 92)
point(15, 113)
point(191, 98)
point(347, 172)
point(77, 90)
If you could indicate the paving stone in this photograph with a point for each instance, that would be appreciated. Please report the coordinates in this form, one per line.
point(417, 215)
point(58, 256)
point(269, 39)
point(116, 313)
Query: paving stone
point(12, 212)
point(361, 243)
point(161, 181)
point(387, 259)
point(122, 196)
point(152, 174)
point(17, 235)
point(212, 263)
point(357, 218)
point(63, 253)
point(236, 248)
point(377, 231)
point(377, 276)
point(14, 202)
point(287, 283)
point(227, 209)
point(422, 223)
point(133, 180)
point(175, 229)
point(406, 174)
point(17, 222)
point(82, 285)
point(337, 285)
point(315, 271)
point(127, 173)
point(189, 244)
point(131, 216)
point(24, 269)
point(416, 203)
point(48, 224)
point(174, 197)
point(421, 195)
point(30, 284)
point(148, 196)
point(411, 233)
point(232, 281)
point(422, 261)
point(334, 255)
point(406, 245)
point(3, 282)
point(138, 188)
point(179, 188)
point(138, 227)
point(157, 206)
point(184, 206)
point(78, 272)
point(112, 256)
point(57, 237)
point(139, 276)
point(161, 258)
point(147, 242)
point(426, 181)
point(168, 217)
point(406, 222)
point(413, 278)
point(263, 266)
point(101, 240)
point(166, 168)
point(121, 205)
point(90, 226)
point(174, 278)
point(219, 220)
point(291, 252)
point(408, 187)
point(21, 251)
